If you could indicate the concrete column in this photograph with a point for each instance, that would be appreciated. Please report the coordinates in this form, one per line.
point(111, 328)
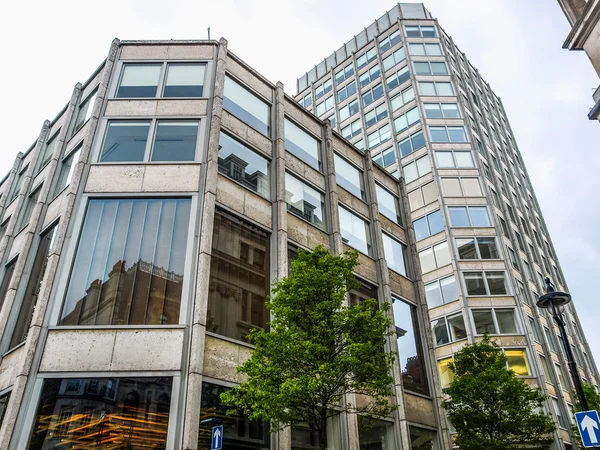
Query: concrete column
point(34, 344)
point(198, 330)
point(402, 432)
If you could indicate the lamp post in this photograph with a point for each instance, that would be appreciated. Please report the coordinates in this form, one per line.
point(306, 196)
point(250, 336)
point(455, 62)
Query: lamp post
point(555, 301)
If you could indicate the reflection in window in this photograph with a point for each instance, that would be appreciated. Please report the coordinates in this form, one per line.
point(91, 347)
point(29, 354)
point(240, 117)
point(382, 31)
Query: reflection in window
point(429, 225)
point(423, 439)
point(409, 346)
point(34, 284)
point(246, 106)
point(175, 140)
point(67, 169)
point(243, 165)
point(517, 361)
point(8, 273)
point(349, 177)
point(446, 374)
point(304, 201)
point(102, 413)
point(85, 111)
point(125, 141)
point(239, 277)
point(375, 434)
point(395, 254)
point(441, 291)
point(3, 405)
point(301, 144)
point(239, 433)
point(355, 231)
point(449, 329)
point(129, 264)
point(388, 204)
point(46, 154)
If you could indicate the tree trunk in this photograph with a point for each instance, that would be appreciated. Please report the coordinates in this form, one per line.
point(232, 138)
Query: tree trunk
point(323, 431)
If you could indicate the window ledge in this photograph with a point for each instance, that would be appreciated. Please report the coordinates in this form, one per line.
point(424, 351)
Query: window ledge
point(146, 163)
point(304, 220)
point(156, 98)
point(117, 327)
point(14, 349)
point(244, 187)
point(230, 339)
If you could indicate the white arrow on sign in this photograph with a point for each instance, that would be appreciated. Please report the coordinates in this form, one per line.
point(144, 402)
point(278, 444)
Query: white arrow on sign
point(218, 435)
point(588, 424)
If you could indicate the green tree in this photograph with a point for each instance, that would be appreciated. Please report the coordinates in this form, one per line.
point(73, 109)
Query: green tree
point(317, 350)
point(492, 409)
point(593, 400)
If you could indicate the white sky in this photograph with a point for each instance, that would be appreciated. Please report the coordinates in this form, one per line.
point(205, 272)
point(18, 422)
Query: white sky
point(516, 45)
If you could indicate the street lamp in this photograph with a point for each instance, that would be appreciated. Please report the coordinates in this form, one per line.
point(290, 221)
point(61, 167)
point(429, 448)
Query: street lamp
point(555, 302)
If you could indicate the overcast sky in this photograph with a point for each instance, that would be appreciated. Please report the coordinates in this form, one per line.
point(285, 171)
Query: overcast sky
point(516, 45)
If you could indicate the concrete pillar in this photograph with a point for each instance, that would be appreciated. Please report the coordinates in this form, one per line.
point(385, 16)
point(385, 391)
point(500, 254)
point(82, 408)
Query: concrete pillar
point(209, 197)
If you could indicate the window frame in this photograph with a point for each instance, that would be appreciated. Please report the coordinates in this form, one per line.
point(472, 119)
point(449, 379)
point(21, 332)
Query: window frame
point(493, 311)
point(468, 209)
point(477, 250)
point(454, 159)
point(486, 284)
point(324, 209)
point(449, 331)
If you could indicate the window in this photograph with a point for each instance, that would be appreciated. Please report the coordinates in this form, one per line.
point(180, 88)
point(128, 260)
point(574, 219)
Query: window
point(437, 88)
point(127, 412)
point(325, 106)
point(243, 165)
point(306, 101)
point(346, 91)
point(301, 144)
point(84, 112)
point(403, 122)
point(454, 159)
point(430, 68)
point(425, 31)
point(323, 89)
point(449, 329)
point(127, 141)
point(398, 78)
point(370, 75)
point(349, 110)
point(239, 432)
point(446, 373)
point(304, 201)
point(379, 136)
point(561, 378)
point(434, 257)
point(184, 80)
point(494, 321)
point(366, 58)
point(423, 195)
point(67, 169)
point(517, 361)
point(469, 216)
point(416, 169)
point(344, 74)
point(412, 144)
point(485, 283)
point(447, 134)
point(139, 80)
point(545, 369)
point(129, 265)
point(15, 188)
point(410, 354)
point(374, 433)
point(372, 94)
point(395, 254)
point(349, 177)
point(3, 405)
point(239, 273)
point(442, 110)
point(388, 204)
point(46, 154)
point(395, 58)
point(550, 339)
point(352, 130)
point(425, 49)
point(246, 106)
point(6, 279)
point(441, 291)
point(375, 115)
point(27, 209)
point(355, 231)
point(429, 225)
point(385, 158)
point(477, 248)
point(389, 41)
point(34, 284)
point(402, 98)
point(461, 187)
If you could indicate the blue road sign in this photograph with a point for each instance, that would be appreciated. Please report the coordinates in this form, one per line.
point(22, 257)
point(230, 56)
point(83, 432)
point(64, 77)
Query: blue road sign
point(589, 427)
point(217, 438)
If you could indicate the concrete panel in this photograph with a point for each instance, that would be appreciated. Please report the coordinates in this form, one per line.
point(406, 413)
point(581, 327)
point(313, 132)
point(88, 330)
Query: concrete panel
point(147, 349)
point(352, 202)
point(202, 51)
point(419, 410)
point(10, 209)
point(55, 209)
point(512, 341)
point(144, 52)
point(249, 79)
point(109, 178)
point(305, 171)
point(8, 367)
point(117, 107)
point(230, 194)
point(444, 310)
point(299, 115)
point(392, 228)
point(366, 267)
point(316, 237)
point(385, 179)
point(222, 358)
point(196, 107)
point(239, 129)
point(297, 230)
point(78, 350)
point(345, 149)
point(257, 209)
point(18, 243)
point(402, 286)
point(171, 178)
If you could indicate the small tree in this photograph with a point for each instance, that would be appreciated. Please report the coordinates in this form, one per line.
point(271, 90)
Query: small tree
point(593, 401)
point(317, 350)
point(492, 409)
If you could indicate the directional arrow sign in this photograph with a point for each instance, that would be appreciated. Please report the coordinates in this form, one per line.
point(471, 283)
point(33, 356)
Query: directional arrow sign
point(217, 438)
point(589, 427)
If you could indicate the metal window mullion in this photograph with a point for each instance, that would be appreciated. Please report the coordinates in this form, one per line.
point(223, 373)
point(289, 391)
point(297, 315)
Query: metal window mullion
point(150, 140)
point(161, 81)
